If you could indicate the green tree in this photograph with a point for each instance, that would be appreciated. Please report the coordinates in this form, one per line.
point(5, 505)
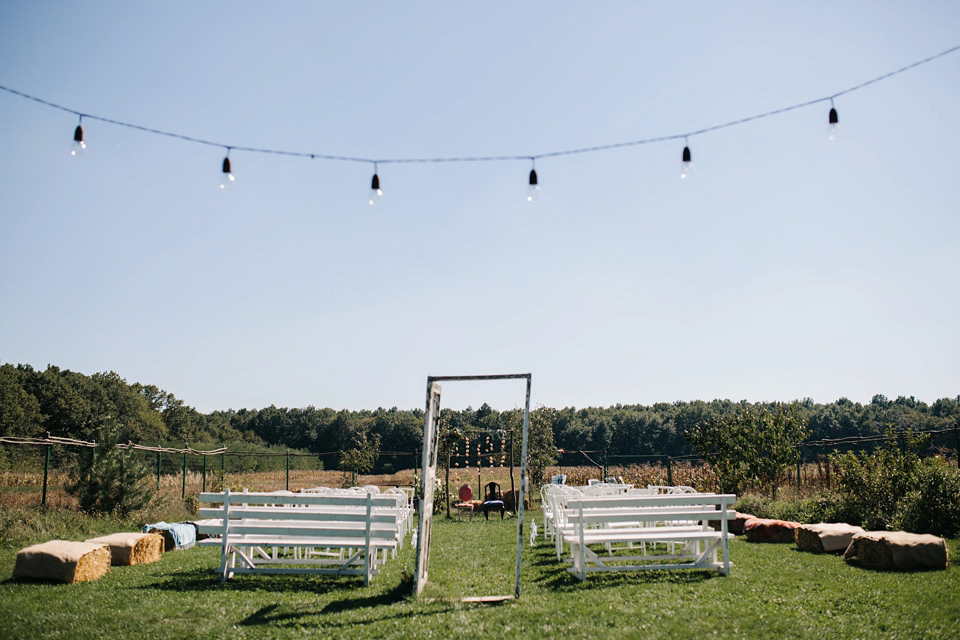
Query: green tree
point(752, 446)
point(19, 411)
point(541, 450)
point(109, 479)
point(360, 458)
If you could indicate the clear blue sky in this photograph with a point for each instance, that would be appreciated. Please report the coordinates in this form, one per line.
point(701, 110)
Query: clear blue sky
point(790, 266)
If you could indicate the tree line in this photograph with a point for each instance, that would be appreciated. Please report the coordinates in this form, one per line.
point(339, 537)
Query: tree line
point(70, 404)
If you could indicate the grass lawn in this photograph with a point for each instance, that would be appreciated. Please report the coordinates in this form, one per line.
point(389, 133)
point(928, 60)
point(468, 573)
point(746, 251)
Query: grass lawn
point(773, 591)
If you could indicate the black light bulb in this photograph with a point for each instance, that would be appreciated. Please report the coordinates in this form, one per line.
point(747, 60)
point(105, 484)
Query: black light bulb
point(78, 144)
point(226, 176)
point(533, 189)
point(686, 165)
point(833, 130)
point(375, 191)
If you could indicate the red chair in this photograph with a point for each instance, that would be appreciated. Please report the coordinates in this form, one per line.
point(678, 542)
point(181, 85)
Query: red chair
point(465, 505)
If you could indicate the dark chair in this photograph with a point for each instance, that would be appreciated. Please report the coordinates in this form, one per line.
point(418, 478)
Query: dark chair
point(492, 499)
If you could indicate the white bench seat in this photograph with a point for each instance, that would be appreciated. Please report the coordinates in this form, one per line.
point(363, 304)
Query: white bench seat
point(674, 525)
point(344, 534)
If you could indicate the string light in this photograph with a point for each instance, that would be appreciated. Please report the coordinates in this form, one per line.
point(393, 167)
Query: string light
point(375, 191)
point(686, 165)
point(533, 184)
point(833, 131)
point(78, 143)
point(533, 188)
point(226, 176)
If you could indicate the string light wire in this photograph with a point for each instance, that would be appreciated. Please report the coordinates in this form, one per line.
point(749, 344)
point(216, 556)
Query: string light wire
point(499, 158)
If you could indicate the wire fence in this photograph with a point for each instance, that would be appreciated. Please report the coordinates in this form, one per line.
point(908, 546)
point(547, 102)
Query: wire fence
point(210, 468)
point(188, 467)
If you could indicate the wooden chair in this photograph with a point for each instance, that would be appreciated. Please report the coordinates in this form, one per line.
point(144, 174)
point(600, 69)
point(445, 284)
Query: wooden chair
point(465, 505)
point(492, 499)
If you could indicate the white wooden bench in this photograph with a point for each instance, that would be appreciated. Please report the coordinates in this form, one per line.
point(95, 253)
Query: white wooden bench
point(674, 526)
point(357, 531)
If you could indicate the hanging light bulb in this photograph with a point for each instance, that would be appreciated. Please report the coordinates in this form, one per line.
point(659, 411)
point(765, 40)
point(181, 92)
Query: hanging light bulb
point(533, 189)
point(226, 177)
point(686, 166)
point(833, 129)
point(78, 143)
point(375, 191)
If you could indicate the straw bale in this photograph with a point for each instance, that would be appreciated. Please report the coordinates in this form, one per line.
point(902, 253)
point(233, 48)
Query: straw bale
point(825, 537)
point(738, 524)
point(63, 561)
point(766, 530)
point(132, 548)
point(185, 533)
point(898, 550)
point(734, 525)
point(169, 544)
point(510, 500)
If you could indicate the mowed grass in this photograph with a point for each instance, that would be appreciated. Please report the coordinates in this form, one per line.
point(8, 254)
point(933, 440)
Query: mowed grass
point(773, 591)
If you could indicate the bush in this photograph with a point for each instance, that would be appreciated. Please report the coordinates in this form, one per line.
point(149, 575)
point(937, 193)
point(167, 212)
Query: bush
point(823, 507)
point(894, 489)
point(871, 485)
point(933, 505)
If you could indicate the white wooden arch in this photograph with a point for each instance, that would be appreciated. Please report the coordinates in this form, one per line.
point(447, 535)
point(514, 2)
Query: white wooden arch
point(429, 474)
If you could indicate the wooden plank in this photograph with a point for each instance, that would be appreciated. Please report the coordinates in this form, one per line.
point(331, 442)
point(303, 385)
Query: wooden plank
point(309, 514)
point(310, 499)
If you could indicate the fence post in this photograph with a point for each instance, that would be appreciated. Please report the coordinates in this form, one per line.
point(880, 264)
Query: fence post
point(183, 486)
point(223, 457)
point(204, 473)
point(826, 464)
point(447, 481)
point(288, 469)
point(46, 471)
point(799, 462)
point(604, 465)
point(956, 436)
point(669, 472)
point(512, 485)
point(159, 456)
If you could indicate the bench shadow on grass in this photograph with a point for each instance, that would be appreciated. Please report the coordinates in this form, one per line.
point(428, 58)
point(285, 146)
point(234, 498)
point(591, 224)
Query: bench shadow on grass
point(553, 575)
point(280, 616)
point(205, 580)
point(291, 615)
point(564, 581)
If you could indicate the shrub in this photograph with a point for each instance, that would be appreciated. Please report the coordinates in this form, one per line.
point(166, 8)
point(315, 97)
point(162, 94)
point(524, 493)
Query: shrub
point(823, 507)
point(871, 485)
point(933, 504)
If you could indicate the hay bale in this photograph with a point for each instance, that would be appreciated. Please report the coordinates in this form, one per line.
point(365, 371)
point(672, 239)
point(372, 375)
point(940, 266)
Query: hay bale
point(766, 530)
point(169, 544)
point(510, 500)
point(734, 525)
point(132, 548)
point(824, 537)
point(63, 561)
point(898, 550)
point(175, 536)
point(738, 524)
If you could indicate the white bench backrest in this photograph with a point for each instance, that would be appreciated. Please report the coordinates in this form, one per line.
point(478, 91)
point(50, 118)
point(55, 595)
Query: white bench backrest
point(355, 499)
